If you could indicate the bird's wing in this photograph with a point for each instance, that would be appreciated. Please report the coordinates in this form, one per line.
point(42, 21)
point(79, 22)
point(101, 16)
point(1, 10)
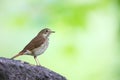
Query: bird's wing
point(34, 43)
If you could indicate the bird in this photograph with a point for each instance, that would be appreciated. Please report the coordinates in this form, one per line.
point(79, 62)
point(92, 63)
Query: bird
point(37, 45)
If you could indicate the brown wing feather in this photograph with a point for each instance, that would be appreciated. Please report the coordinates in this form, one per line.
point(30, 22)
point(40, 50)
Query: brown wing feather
point(34, 43)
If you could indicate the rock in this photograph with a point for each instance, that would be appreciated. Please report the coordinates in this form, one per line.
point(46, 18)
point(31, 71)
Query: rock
point(18, 70)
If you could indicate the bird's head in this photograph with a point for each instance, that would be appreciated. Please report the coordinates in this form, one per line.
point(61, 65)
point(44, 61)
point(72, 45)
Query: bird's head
point(45, 32)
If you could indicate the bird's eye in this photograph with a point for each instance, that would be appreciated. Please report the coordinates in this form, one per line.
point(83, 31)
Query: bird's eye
point(46, 31)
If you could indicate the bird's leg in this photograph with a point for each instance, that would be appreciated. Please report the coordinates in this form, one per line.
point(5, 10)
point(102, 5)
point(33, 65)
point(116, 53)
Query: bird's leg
point(36, 60)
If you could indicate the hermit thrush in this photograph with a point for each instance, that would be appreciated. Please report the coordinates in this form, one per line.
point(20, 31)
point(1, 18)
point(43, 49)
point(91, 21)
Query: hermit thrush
point(37, 45)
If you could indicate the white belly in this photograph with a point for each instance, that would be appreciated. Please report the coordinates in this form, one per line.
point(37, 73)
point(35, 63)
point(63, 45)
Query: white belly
point(41, 49)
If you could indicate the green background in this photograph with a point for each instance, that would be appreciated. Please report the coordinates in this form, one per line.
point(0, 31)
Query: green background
point(85, 45)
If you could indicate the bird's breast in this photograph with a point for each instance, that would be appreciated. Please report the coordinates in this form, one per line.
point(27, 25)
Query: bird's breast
point(41, 49)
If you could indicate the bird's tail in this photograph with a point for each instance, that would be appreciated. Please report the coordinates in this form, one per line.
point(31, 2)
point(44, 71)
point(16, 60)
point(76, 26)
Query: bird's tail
point(16, 55)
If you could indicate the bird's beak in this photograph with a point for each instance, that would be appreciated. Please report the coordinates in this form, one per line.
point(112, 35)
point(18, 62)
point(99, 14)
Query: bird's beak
point(52, 31)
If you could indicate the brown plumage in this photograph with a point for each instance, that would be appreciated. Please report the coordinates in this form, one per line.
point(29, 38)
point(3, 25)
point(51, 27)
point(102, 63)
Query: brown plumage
point(37, 45)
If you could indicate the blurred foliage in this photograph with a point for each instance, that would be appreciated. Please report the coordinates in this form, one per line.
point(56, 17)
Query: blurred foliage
point(42, 12)
point(85, 44)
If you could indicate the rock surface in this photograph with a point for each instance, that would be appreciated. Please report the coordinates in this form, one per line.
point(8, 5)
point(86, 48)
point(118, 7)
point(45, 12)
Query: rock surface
point(17, 70)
